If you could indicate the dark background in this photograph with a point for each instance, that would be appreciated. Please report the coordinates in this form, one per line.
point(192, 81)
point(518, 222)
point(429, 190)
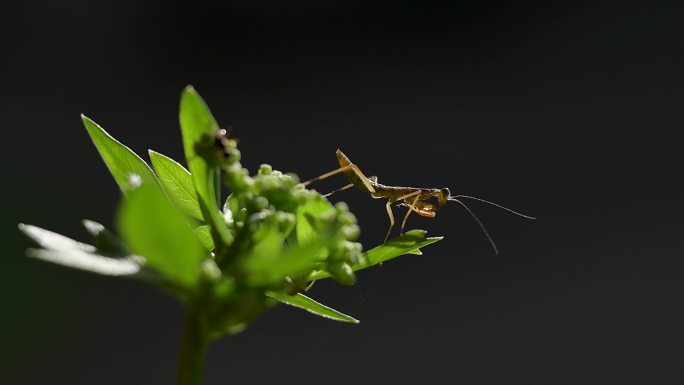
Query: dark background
point(566, 110)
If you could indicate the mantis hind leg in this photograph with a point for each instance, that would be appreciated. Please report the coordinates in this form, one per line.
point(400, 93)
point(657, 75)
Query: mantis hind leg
point(350, 185)
point(373, 179)
point(354, 175)
point(326, 175)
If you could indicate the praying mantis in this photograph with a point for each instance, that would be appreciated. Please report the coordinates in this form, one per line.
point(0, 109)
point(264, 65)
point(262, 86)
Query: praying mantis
point(425, 202)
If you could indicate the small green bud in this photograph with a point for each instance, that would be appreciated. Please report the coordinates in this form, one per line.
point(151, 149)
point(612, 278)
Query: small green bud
point(347, 218)
point(286, 221)
point(291, 178)
point(234, 154)
point(351, 232)
point(343, 273)
point(260, 203)
point(265, 169)
point(341, 207)
point(237, 178)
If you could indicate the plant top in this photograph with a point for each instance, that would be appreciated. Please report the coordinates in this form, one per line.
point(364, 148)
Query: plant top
point(227, 263)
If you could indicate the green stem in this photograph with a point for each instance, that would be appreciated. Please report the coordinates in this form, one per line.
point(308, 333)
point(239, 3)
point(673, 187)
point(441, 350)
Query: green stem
point(193, 351)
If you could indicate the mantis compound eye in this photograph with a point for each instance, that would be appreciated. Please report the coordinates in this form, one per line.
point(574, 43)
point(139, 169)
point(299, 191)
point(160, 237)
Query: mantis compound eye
point(446, 192)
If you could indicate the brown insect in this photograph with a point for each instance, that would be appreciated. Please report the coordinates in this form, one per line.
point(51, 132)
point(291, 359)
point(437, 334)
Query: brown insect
point(425, 202)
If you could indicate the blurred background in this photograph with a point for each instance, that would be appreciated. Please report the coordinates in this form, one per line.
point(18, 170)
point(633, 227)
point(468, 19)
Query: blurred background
point(569, 111)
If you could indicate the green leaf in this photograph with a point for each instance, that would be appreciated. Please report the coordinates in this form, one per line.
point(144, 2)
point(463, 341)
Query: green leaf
point(303, 302)
point(94, 263)
point(409, 243)
point(177, 183)
point(121, 161)
point(196, 123)
point(51, 240)
point(312, 208)
point(203, 234)
point(67, 252)
point(265, 252)
point(297, 258)
point(153, 228)
point(270, 261)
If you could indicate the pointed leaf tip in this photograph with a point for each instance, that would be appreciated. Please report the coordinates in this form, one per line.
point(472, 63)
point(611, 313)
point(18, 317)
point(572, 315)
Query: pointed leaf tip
point(197, 123)
point(119, 159)
point(301, 301)
point(51, 240)
point(94, 228)
point(67, 252)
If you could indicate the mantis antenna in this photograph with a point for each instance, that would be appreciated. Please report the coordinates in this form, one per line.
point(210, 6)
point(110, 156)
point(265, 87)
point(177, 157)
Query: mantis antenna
point(455, 199)
point(491, 203)
point(479, 222)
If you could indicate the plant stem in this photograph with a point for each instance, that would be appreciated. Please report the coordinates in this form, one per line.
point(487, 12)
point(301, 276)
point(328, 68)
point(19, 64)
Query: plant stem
point(193, 351)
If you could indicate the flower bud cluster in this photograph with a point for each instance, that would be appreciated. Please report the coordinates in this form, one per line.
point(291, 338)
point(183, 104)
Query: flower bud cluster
point(273, 204)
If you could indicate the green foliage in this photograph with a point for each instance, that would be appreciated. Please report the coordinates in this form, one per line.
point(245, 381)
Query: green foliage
point(177, 183)
point(151, 227)
point(121, 161)
point(303, 302)
point(271, 240)
point(408, 243)
point(199, 130)
point(70, 253)
point(203, 234)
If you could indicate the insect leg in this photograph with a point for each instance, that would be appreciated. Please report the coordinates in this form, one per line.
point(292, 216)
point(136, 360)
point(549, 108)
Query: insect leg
point(411, 207)
point(327, 175)
point(388, 206)
point(420, 209)
point(350, 185)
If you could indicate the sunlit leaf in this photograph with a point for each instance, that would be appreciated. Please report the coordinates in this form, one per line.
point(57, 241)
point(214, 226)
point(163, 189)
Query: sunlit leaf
point(271, 261)
point(52, 240)
point(67, 252)
point(197, 123)
point(204, 236)
point(121, 161)
point(303, 302)
point(312, 208)
point(154, 229)
point(409, 243)
point(177, 183)
point(93, 263)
